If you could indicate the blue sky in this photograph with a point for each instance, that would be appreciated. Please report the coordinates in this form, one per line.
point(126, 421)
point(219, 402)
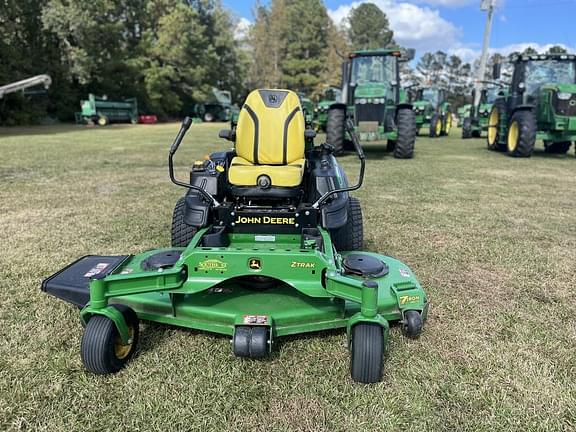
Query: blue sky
point(457, 26)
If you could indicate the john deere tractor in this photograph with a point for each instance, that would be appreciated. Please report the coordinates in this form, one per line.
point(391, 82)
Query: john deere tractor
point(433, 111)
point(329, 96)
point(475, 120)
point(373, 99)
point(540, 105)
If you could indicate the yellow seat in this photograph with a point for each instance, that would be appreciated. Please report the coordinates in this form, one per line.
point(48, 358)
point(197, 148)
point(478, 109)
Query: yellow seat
point(269, 140)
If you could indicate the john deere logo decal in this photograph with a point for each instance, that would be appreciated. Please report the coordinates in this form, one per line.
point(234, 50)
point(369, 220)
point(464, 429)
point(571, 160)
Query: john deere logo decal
point(272, 98)
point(213, 264)
point(254, 264)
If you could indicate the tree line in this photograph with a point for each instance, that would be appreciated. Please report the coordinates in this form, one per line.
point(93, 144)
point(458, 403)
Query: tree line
point(171, 53)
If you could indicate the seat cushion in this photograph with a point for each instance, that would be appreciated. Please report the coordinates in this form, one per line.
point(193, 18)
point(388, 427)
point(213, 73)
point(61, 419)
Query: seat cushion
point(244, 173)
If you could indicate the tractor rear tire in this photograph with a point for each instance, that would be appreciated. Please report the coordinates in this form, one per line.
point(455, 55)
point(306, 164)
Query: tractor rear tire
point(521, 134)
point(560, 147)
point(366, 353)
point(335, 128)
point(182, 233)
point(446, 124)
point(435, 126)
point(476, 134)
point(101, 349)
point(406, 121)
point(350, 237)
point(467, 128)
point(493, 136)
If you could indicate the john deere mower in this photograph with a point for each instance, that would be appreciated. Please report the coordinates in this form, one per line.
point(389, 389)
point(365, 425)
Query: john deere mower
point(265, 243)
point(539, 105)
point(475, 120)
point(433, 111)
point(375, 102)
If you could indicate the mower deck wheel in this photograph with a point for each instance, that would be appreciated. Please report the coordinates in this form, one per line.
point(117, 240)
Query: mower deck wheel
point(366, 353)
point(412, 324)
point(251, 341)
point(102, 350)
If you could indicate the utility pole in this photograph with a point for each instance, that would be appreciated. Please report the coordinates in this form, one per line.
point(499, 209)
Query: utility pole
point(485, 5)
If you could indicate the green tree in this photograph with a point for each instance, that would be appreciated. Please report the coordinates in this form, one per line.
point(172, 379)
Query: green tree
point(557, 49)
point(369, 28)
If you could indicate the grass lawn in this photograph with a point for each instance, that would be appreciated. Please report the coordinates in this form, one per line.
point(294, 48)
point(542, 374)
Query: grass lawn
point(492, 239)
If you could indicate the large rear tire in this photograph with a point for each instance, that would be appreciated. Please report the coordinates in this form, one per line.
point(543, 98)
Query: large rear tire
point(182, 233)
point(435, 126)
point(521, 134)
point(350, 237)
point(493, 138)
point(335, 128)
point(406, 121)
point(467, 128)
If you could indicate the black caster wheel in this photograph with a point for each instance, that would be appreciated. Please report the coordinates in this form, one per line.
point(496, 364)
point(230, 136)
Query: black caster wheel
point(102, 350)
point(367, 353)
point(251, 342)
point(412, 324)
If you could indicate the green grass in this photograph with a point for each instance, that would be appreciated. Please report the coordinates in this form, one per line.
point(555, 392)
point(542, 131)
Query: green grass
point(492, 239)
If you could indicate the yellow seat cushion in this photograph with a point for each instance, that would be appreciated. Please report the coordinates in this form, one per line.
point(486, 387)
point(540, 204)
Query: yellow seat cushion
point(244, 173)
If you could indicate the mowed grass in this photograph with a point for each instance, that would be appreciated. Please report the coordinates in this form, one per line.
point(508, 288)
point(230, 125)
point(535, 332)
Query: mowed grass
point(492, 239)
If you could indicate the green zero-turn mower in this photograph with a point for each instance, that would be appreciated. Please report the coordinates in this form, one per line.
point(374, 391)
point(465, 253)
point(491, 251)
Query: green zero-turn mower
point(265, 244)
point(374, 100)
point(540, 104)
point(433, 111)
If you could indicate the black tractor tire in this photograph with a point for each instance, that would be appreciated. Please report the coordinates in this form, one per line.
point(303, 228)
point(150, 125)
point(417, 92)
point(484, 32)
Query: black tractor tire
point(335, 128)
point(182, 233)
point(476, 134)
point(101, 348)
point(432, 133)
point(350, 237)
point(467, 128)
point(447, 123)
point(493, 138)
point(390, 145)
point(367, 353)
point(560, 147)
point(521, 134)
point(406, 137)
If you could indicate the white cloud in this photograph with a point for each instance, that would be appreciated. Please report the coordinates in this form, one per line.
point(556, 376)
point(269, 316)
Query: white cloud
point(242, 28)
point(468, 53)
point(414, 26)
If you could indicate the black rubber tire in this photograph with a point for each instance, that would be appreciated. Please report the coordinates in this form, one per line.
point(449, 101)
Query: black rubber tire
point(366, 353)
point(476, 134)
point(182, 233)
point(251, 341)
point(406, 139)
point(447, 123)
point(526, 121)
point(390, 145)
point(335, 128)
point(350, 237)
point(433, 121)
point(412, 324)
point(97, 347)
point(560, 147)
point(467, 128)
point(500, 107)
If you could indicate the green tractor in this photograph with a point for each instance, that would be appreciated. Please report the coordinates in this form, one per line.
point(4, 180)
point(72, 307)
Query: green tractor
point(433, 111)
point(217, 109)
point(329, 96)
point(539, 105)
point(375, 102)
point(307, 108)
point(462, 113)
point(266, 243)
point(476, 120)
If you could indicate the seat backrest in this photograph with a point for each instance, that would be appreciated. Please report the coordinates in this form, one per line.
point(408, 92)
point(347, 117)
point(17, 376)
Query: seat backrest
point(270, 129)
